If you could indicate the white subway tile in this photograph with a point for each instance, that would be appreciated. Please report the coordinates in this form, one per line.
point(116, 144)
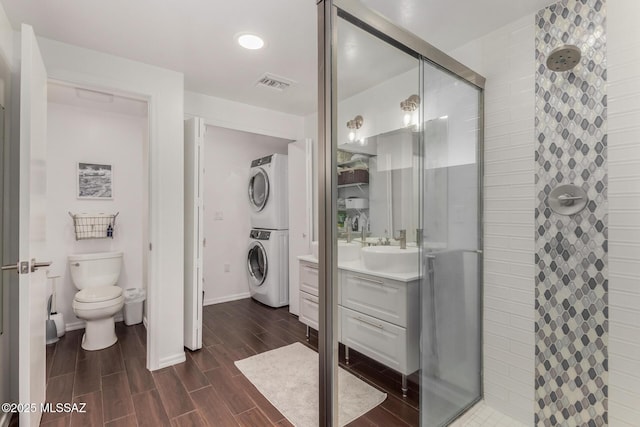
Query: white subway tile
point(491, 341)
point(524, 350)
point(621, 315)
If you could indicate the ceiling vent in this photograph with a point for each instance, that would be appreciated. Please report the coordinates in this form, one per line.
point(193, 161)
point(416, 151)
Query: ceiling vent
point(274, 82)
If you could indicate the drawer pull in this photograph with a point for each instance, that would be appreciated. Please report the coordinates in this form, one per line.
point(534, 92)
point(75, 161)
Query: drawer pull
point(375, 325)
point(366, 279)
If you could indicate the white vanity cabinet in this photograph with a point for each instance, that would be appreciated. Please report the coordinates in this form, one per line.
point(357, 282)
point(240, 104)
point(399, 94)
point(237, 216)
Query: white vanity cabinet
point(378, 316)
point(308, 309)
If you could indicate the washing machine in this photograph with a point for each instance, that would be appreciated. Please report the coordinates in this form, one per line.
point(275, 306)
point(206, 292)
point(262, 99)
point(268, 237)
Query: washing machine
point(268, 266)
point(268, 193)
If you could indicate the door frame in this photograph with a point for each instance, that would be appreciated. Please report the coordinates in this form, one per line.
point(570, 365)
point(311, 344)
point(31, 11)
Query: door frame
point(152, 313)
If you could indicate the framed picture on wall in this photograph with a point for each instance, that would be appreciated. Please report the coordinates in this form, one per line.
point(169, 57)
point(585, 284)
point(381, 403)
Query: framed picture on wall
point(95, 181)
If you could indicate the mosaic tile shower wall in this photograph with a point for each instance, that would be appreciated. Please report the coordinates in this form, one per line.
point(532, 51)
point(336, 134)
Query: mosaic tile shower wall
point(571, 251)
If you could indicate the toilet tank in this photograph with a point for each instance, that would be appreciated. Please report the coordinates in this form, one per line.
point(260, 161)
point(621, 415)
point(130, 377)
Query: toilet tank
point(95, 269)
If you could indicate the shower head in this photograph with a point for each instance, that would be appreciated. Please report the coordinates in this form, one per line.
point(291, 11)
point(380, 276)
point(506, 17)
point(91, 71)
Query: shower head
point(564, 58)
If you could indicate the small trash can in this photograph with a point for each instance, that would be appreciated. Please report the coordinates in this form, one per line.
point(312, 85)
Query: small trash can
point(133, 299)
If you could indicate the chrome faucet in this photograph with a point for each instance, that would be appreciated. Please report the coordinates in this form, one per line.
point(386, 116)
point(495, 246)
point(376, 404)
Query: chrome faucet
point(402, 239)
point(419, 237)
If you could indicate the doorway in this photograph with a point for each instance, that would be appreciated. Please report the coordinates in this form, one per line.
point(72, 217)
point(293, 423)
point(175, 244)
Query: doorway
point(88, 127)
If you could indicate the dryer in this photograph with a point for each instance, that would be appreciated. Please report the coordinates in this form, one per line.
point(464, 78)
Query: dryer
point(267, 266)
point(268, 193)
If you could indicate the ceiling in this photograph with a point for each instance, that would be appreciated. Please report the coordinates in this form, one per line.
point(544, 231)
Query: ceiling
point(196, 37)
point(100, 101)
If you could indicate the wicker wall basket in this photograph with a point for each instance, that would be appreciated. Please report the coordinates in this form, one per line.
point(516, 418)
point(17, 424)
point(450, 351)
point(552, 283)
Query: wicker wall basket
point(353, 176)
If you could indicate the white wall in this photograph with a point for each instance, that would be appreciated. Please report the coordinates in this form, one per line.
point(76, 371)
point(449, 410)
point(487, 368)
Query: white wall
point(78, 134)
point(227, 160)
point(248, 118)
point(164, 90)
point(623, 59)
point(506, 58)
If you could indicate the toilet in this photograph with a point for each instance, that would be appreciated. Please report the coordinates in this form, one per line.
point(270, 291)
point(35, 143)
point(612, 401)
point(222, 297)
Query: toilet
point(99, 298)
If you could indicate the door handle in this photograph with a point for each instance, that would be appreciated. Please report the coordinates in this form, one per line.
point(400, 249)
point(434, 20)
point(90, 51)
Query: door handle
point(10, 267)
point(36, 265)
point(21, 267)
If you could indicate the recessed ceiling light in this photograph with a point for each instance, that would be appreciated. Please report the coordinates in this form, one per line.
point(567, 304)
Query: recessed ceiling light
point(250, 41)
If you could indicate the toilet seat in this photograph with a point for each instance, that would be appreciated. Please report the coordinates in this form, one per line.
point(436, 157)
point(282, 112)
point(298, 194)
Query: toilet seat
point(98, 294)
point(100, 297)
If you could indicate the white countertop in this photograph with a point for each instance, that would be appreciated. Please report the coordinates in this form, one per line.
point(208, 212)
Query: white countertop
point(358, 267)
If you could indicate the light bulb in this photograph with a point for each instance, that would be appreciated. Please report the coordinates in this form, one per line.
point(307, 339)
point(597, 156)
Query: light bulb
point(352, 136)
point(407, 119)
point(362, 141)
point(250, 41)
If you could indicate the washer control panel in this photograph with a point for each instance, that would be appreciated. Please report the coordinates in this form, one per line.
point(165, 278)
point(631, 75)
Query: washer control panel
point(260, 234)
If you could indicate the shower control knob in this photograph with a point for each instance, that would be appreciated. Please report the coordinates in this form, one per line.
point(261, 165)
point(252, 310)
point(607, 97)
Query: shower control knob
point(567, 199)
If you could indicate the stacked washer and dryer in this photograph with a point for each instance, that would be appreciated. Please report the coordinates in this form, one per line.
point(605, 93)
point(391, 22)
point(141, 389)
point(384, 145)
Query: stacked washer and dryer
point(268, 253)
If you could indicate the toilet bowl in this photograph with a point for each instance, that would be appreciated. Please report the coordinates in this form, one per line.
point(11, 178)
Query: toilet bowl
point(99, 298)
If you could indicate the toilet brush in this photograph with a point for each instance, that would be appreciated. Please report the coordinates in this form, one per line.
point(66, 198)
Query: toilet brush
point(55, 316)
point(52, 332)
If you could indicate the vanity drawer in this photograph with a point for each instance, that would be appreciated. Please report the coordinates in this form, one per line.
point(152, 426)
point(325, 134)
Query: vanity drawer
point(380, 298)
point(308, 310)
point(309, 278)
point(379, 340)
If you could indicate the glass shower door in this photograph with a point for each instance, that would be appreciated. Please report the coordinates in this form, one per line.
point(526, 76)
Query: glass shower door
point(378, 204)
point(451, 283)
point(400, 148)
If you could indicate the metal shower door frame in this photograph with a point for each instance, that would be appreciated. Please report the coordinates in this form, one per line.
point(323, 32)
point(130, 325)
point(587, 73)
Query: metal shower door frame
point(354, 12)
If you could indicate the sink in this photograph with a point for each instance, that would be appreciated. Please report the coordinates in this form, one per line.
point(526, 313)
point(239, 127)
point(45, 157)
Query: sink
point(348, 251)
point(391, 259)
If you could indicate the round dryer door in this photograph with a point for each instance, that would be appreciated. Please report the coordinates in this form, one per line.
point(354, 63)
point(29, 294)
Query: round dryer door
point(258, 189)
point(257, 263)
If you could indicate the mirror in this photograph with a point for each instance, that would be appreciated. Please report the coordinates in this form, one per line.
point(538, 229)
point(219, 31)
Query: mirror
point(394, 185)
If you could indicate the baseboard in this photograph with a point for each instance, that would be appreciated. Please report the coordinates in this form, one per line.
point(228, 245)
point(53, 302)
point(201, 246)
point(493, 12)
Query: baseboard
point(74, 326)
point(227, 298)
point(172, 360)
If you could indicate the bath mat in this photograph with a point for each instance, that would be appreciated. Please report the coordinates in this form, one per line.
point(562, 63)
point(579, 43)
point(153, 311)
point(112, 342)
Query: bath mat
point(288, 378)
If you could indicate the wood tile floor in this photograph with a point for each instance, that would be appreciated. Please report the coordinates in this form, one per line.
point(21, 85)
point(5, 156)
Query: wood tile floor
point(207, 389)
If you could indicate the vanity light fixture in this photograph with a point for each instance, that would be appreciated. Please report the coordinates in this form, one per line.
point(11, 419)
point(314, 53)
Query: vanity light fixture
point(250, 41)
point(408, 107)
point(353, 125)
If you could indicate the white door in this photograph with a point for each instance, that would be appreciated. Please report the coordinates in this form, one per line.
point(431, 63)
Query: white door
point(300, 158)
point(194, 130)
point(32, 229)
